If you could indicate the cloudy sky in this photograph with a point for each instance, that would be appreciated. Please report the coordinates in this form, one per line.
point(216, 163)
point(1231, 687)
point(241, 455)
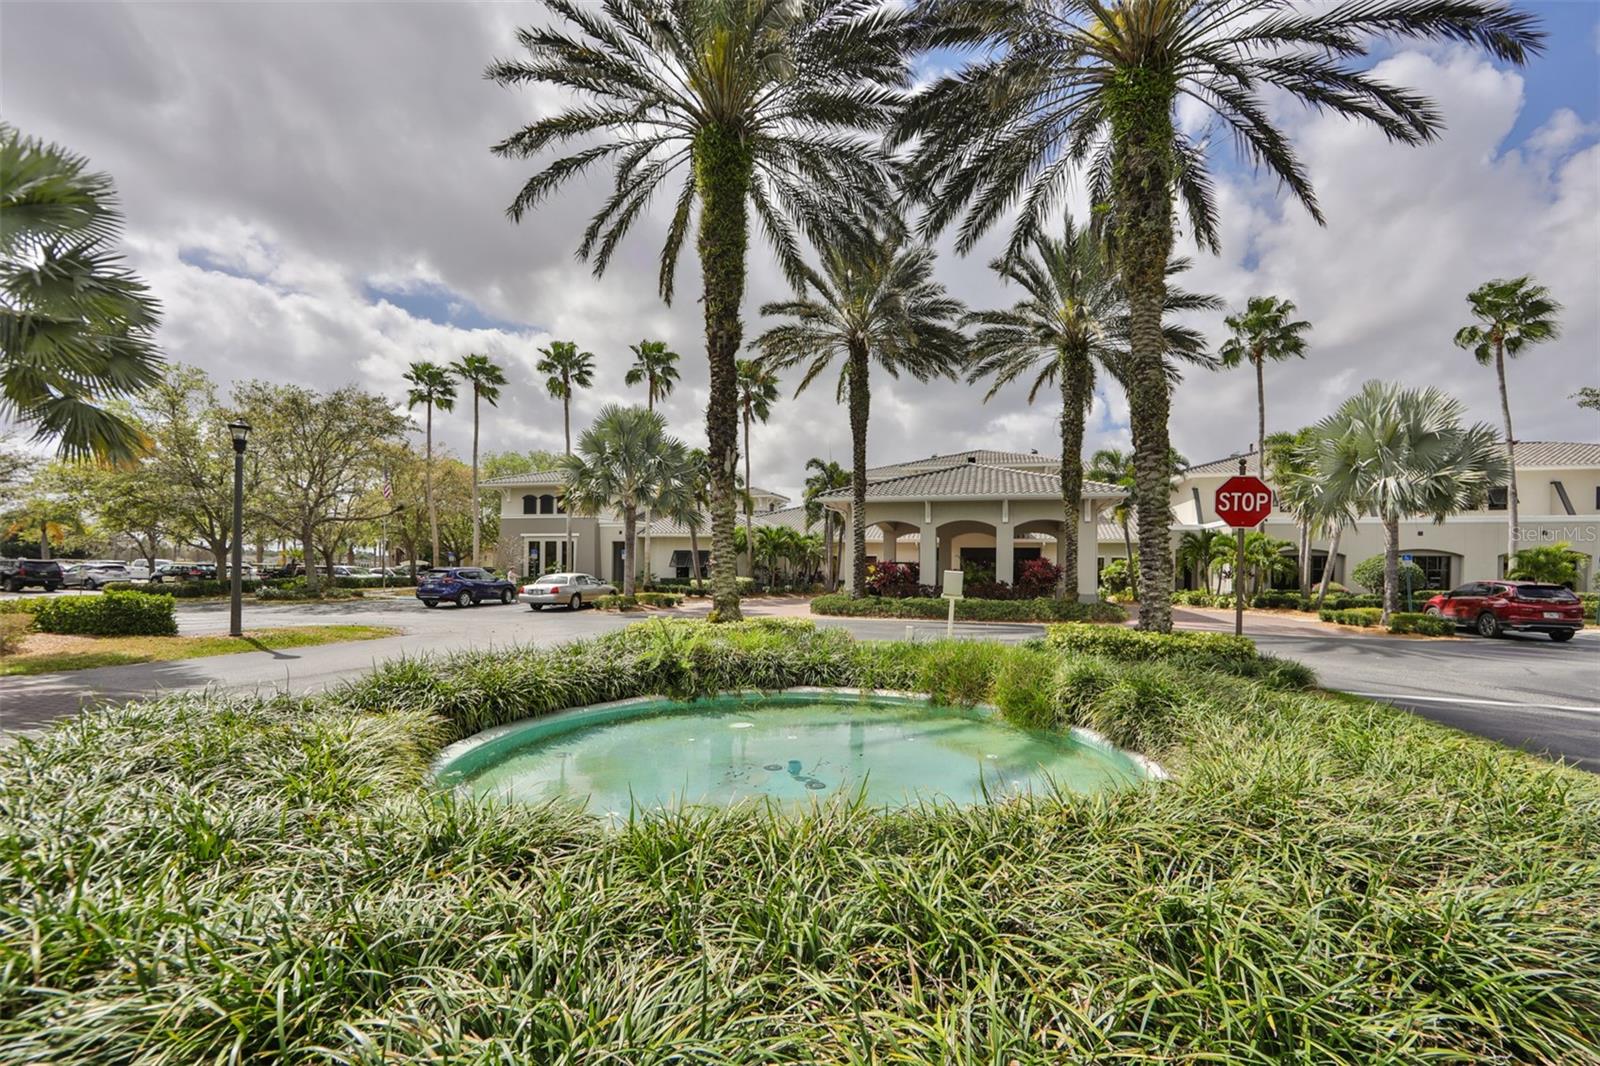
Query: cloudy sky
point(310, 192)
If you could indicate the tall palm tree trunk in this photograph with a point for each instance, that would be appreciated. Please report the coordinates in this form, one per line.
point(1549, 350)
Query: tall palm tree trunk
point(433, 512)
point(630, 522)
point(1391, 566)
point(1261, 417)
point(1511, 453)
point(1304, 575)
point(860, 405)
point(1327, 569)
point(566, 426)
point(749, 539)
point(1142, 168)
point(723, 172)
point(694, 557)
point(827, 547)
point(1127, 546)
point(477, 515)
point(1074, 375)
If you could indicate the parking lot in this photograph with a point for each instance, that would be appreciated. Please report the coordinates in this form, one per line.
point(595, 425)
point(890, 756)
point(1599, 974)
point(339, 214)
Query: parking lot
point(1520, 690)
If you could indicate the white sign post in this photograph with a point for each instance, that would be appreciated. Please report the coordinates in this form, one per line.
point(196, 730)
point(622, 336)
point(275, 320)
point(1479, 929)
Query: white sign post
point(952, 593)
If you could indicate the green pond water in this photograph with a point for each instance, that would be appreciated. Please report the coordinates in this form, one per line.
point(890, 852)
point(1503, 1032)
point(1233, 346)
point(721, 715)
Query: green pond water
point(786, 750)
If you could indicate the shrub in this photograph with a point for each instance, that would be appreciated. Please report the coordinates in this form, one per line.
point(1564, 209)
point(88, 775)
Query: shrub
point(1427, 624)
point(1279, 599)
point(23, 606)
point(1194, 598)
point(1038, 578)
point(1115, 578)
point(1023, 688)
point(1141, 707)
point(1364, 617)
point(113, 614)
point(300, 592)
point(892, 579)
point(1369, 575)
point(13, 627)
point(1136, 645)
point(969, 610)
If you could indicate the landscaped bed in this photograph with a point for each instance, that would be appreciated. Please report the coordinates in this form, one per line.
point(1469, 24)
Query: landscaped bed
point(43, 653)
point(972, 609)
point(1324, 879)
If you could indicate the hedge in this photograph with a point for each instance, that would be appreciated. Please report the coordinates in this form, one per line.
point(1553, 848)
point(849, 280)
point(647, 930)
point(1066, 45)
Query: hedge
point(1429, 625)
point(324, 592)
point(115, 614)
point(638, 599)
point(1136, 645)
point(13, 627)
point(1364, 617)
point(185, 589)
point(1044, 609)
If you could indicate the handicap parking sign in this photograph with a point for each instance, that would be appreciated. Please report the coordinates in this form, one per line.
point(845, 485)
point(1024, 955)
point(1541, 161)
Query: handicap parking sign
point(1405, 558)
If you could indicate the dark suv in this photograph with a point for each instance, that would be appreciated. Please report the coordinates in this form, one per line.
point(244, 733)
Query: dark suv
point(465, 586)
point(1492, 607)
point(18, 574)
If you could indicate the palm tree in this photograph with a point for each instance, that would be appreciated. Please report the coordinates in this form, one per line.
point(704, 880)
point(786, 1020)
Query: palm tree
point(76, 329)
point(430, 386)
point(1195, 550)
point(757, 392)
point(1295, 490)
point(566, 370)
point(486, 379)
point(1089, 85)
point(826, 476)
point(625, 461)
point(1113, 466)
point(1266, 330)
point(758, 106)
point(1513, 314)
point(1073, 317)
point(654, 367)
point(683, 499)
point(1402, 453)
point(875, 300)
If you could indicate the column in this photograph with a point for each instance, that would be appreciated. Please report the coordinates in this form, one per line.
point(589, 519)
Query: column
point(891, 547)
point(928, 554)
point(1088, 532)
point(847, 564)
point(1004, 554)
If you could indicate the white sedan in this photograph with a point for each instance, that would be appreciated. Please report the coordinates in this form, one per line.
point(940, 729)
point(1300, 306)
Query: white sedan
point(570, 589)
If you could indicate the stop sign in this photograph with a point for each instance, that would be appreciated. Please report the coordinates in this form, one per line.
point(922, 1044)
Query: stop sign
point(1243, 502)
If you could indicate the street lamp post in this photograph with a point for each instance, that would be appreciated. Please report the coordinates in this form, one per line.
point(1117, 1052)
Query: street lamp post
point(240, 431)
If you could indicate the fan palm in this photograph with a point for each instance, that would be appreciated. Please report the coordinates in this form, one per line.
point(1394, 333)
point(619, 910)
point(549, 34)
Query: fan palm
point(1295, 490)
point(432, 388)
point(625, 460)
point(757, 392)
point(1113, 466)
point(1195, 550)
point(683, 499)
point(1399, 454)
point(1265, 330)
point(1069, 85)
point(874, 301)
point(486, 379)
point(1512, 315)
point(656, 368)
point(825, 477)
point(76, 328)
point(1073, 317)
point(758, 106)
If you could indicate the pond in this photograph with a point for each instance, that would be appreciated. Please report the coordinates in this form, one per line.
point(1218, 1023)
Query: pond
point(791, 749)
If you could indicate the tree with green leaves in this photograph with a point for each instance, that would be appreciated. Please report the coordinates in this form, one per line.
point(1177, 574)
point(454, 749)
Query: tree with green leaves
point(486, 379)
point(1195, 551)
point(1295, 489)
point(431, 387)
point(1512, 314)
point(656, 368)
point(684, 497)
point(317, 451)
point(1552, 564)
point(756, 107)
point(624, 461)
point(77, 329)
point(1399, 454)
point(566, 369)
point(756, 392)
point(825, 477)
point(1113, 466)
point(1265, 330)
point(874, 302)
point(1588, 397)
point(1073, 319)
point(1091, 88)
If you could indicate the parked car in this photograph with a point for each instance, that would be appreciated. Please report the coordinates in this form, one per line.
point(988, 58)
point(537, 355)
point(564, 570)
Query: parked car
point(138, 571)
point(91, 576)
point(465, 586)
point(18, 574)
point(570, 589)
point(1492, 607)
point(183, 572)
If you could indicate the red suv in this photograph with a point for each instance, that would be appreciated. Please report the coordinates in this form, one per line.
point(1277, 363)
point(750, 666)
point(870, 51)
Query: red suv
point(1491, 607)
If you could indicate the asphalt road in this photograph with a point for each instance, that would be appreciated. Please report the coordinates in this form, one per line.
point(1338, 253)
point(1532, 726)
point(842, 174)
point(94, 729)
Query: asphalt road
point(1524, 691)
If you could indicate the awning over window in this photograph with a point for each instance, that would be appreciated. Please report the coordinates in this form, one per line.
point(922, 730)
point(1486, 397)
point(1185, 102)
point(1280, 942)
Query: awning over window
point(680, 558)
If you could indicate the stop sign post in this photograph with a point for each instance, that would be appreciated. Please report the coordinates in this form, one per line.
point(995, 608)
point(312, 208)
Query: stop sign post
point(1244, 503)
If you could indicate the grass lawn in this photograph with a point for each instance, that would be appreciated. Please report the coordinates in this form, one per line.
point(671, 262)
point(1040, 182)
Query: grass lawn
point(1324, 880)
point(44, 653)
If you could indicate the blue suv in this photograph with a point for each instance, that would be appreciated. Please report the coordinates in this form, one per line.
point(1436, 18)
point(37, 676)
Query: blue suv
point(465, 586)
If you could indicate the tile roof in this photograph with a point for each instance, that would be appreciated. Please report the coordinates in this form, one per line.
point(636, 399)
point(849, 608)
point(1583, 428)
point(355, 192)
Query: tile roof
point(793, 517)
point(1530, 453)
point(984, 456)
point(974, 481)
point(532, 478)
